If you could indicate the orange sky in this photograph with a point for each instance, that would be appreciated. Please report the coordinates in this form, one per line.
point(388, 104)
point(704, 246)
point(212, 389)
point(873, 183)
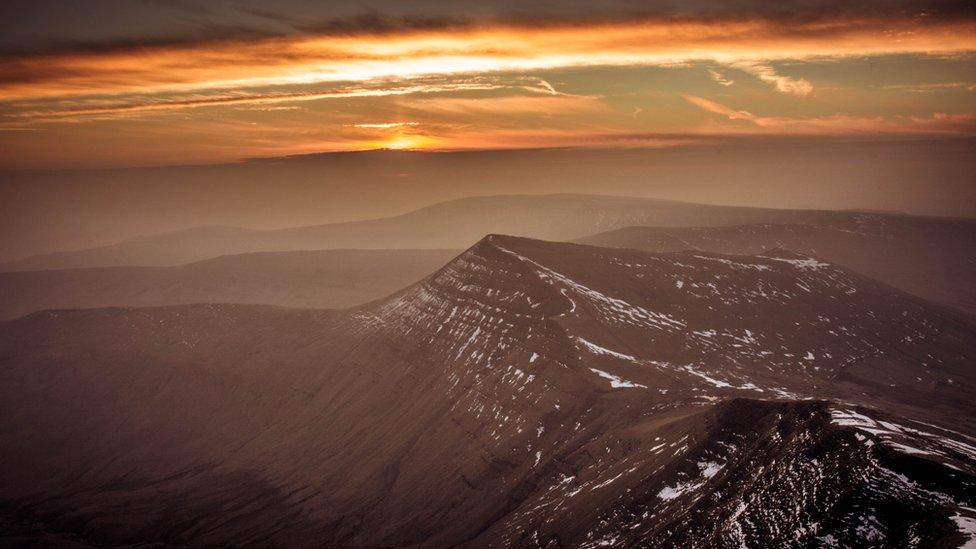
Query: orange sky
point(644, 81)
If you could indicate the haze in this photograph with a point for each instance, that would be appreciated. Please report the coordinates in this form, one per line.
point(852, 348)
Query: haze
point(46, 211)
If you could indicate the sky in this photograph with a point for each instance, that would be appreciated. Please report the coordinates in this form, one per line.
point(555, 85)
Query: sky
point(122, 83)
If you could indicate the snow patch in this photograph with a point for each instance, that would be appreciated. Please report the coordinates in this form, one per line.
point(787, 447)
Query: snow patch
point(707, 469)
point(600, 350)
point(716, 382)
point(615, 381)
point(967, 526)
point(809, 263)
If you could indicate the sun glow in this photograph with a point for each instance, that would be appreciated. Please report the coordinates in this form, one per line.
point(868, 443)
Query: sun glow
point(408, 142)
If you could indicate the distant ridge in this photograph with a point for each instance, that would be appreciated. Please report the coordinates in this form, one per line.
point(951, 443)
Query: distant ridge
point(324, 279)
point(455, 224)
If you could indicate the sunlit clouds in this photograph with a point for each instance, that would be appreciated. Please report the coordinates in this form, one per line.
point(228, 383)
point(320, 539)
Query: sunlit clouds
point(386, 125)
point(310, 60)
point(937, 123)
point(492, 84)
point(720, 78)
point(784, 84)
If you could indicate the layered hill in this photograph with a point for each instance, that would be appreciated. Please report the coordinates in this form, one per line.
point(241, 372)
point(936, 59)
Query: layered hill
point(928, 257)
point(528, 393)
point(325, 279)
point(449, 225)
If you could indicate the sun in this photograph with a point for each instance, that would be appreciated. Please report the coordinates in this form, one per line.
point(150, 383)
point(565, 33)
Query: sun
point(408, 142)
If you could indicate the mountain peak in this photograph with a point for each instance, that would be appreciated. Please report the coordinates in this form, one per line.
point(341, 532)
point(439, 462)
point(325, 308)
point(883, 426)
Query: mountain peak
point(690, 323)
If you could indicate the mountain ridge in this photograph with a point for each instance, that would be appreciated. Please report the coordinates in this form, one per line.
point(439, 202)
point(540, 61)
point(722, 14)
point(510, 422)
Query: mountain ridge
point(526, 391)
point(447, 225)
point(926, 258)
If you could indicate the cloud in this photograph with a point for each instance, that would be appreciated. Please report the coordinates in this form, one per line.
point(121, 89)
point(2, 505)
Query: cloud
point(784, 84)
point(385, 125)
point(838, 124)
point(720, 78)
point(475, 107)
point(930, 87)
point(382, 90)
point(416, 50)
point(548, 87)
point(191, 21)
point(718, 108)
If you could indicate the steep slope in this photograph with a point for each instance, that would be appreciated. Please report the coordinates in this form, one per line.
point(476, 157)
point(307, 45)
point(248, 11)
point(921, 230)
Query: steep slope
point(320, 279)
point(448, 225)
point(928, 257)
point(764, 474)
point(527, 393)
